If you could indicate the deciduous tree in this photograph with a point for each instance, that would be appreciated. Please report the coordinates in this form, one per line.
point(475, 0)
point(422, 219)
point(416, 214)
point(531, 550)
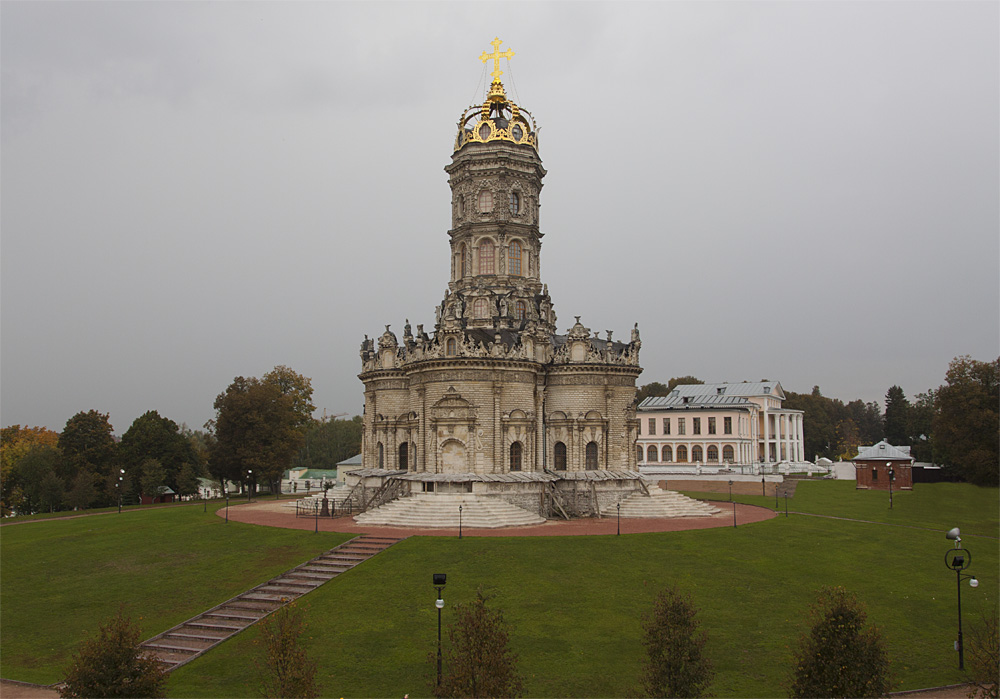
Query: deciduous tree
point(328, 442)
point(15, 443)
point(112, 665)
point(35, 475)
point(286, 668)
point(152, 436)
point(841, 655)
point(967, 422)
point(674, 665)
point(982, 655)
point(87, 443)
point(153, 478)
point(479, 661)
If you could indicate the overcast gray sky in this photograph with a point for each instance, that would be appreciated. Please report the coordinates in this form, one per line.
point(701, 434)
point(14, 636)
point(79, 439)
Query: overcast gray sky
point(804, 192)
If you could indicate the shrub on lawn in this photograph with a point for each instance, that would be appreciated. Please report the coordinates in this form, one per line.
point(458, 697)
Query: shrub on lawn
point(674, 665)
point(479, 661)
point(841, 655)
point(286, 669)
point(983, 655)
point(112, 665)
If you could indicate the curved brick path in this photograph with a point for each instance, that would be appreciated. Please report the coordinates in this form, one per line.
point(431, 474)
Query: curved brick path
point(276, 514)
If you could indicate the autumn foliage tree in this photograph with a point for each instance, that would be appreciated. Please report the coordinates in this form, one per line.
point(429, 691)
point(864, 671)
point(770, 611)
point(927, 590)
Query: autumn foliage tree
point(15, 443)
point(675, 665)
point(841, 655)
point(479, 661)
point(112, 665)
point(286, 669)
point(967, 420)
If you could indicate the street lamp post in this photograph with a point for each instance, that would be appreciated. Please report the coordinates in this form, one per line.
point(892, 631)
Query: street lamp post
point(734, 503)
point(226, 488)
point(120, 485)
point(459, 521)
point(619, 533)
point(892, 477)
point(763, 492)
point(439, 581)
point(958, 559)
point(249, 481)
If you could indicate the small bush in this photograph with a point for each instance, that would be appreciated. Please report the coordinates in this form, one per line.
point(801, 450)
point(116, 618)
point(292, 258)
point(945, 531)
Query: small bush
point(841, 655)
point(982, 655)
point(479, 661)
point(112, 665)
point(674, 665)
point(286, 669)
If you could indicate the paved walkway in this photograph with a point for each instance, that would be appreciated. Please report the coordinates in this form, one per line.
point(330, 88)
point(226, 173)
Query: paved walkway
point(276, 514)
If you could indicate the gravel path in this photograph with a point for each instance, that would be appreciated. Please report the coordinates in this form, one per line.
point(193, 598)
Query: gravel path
point(276, 514)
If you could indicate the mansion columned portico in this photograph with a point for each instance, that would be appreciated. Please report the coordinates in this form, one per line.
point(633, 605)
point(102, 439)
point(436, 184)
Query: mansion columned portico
point(719, 424)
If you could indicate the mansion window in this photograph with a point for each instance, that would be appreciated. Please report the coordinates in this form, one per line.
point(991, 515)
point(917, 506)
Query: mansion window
point(479, 308)
point(515, 203)
point(520, 310)
point(651, 454)
point(560, 456)
point(682, 452)
point(727, 454)
point(696, 425)
point(680, 430)
point(696, 454)
point(711, 425)
point(727, 425)
point(667, 453)
point(514, 259)
point(652, 425)
point(666, 425)
point(486, 257)
point(403, 454)
point(713, 454)
point(591, 456)
point(515, 456)
point(486, 201)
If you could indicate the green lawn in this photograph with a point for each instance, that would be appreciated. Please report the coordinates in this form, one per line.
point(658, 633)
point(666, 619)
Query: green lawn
point(59, 579)
point(575, 602)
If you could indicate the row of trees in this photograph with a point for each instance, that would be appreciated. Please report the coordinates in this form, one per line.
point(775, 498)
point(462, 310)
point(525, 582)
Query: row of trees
point(956, 424)
point(262, 426)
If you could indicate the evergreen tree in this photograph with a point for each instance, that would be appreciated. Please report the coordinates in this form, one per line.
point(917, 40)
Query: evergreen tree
point(897, 417)
point(841, 655)
point(674, 665)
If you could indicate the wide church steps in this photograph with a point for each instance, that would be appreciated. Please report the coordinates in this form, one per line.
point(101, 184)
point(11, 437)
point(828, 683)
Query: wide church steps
point(440, 511)
point(664, 503)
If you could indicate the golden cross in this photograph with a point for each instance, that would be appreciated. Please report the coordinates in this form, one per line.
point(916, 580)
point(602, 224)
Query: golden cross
point(496, 56)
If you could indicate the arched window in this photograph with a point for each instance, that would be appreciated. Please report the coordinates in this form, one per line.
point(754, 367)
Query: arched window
point(520, 310)
point(486, 257)
point(591, 456)
point(486, 201)
point(667, 453)
point(514, 258)
point(461, 261)
point(515, 203)
point(696, 454)
point(727, 454)
point(560, 456)
point(381, 455)
point(479, 308)
point(651, 454)
point(682, 454)
point(450, 347)
point(403, 454)
point(515, 456)
point(712, 453)
point(639, 453)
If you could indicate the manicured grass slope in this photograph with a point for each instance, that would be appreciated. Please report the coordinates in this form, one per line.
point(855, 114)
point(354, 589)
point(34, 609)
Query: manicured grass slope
point(575, 602)
point(62, 578)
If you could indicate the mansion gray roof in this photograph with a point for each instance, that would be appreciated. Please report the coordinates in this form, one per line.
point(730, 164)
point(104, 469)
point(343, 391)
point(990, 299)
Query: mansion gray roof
point(675, 402)
point(745, 389)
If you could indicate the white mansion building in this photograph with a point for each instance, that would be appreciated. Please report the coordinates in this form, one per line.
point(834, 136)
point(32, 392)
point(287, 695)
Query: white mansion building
point(719, 423)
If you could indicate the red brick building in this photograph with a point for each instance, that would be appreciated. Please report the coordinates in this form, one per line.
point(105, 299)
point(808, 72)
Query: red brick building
point(872, 467)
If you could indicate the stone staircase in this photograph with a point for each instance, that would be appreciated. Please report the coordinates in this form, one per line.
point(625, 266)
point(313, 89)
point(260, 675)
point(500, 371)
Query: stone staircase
point(664, 503)
point(187, 641)
point(440, 511)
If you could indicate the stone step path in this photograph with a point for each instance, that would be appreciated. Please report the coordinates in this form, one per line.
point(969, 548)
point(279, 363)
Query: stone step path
point(188, 640)
point(440, 511)
point(663, 503)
